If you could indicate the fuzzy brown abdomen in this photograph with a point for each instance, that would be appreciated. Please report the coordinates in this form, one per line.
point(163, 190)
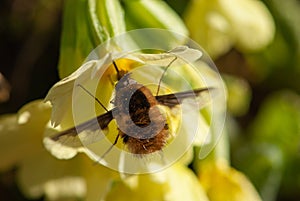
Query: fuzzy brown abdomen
point(147, 146)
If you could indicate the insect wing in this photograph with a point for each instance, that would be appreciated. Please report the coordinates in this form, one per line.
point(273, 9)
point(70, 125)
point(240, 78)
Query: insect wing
point(86, 133)
point(171, 100)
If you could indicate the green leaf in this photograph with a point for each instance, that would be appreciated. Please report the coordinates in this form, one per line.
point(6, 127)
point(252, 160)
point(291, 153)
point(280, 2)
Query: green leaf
point(141, 14)
point(87, 24)
point(153, 14)
point(76, 40)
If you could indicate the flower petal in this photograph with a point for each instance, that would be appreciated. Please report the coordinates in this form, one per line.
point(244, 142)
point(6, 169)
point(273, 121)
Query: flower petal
point(220, 24)
point(247, 17)
point(21, 134)
point(174, 183)
point(43, 174)
point(222, 182)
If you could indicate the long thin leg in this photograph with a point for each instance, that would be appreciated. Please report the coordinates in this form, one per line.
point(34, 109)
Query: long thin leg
point(158, 88)
point(109, 149)
point(98, 101)
point(117, 70)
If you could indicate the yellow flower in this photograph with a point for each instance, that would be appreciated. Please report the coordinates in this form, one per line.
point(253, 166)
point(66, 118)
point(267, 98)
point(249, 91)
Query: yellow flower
point(21, 134)
point(98, 77)
point(223, 183)
point(175, 183)
point(39, 173)
point(218, 25)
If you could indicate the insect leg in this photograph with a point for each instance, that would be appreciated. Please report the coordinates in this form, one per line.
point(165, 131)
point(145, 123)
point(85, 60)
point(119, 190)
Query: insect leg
point(116, 67)
point(165, 70)
point(119, 74)
point(98, 101)
point(109, 149)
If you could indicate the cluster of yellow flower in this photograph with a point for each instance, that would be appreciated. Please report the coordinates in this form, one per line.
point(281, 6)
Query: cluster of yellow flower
point(216, 25)
point(40, 173)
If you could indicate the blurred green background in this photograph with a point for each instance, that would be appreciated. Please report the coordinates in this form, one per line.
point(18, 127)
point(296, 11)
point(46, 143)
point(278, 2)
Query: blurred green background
point(263, 86)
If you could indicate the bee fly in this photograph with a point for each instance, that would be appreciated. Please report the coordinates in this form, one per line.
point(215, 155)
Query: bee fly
point(141, 125)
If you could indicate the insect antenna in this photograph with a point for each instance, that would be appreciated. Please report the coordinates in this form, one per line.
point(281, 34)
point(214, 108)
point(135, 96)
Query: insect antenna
point(97, 100)
point(165, 70)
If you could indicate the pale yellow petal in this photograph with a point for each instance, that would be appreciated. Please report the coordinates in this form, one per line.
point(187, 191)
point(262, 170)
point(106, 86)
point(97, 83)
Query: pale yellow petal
point(208, 27)
point(21, 134)
point(61, 94)
point(252, 24)
point(222, 182)
point(175, 183)
point(184, 185)
point(42, 174)
point(65, 188)
point(218, 25)
point(99, 179)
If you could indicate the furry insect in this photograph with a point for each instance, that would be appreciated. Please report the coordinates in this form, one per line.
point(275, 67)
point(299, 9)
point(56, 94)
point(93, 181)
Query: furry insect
point(141, 125)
